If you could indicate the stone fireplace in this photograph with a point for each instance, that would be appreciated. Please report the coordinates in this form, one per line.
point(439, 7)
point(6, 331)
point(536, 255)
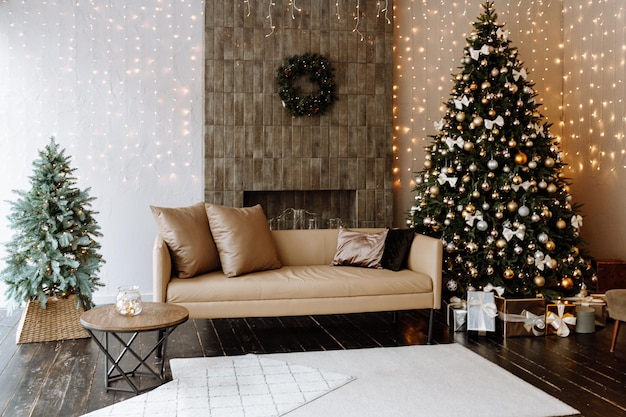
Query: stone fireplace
point(337, 164)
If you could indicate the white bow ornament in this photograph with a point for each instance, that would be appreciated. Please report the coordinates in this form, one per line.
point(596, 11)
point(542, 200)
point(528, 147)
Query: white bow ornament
point(498, 121)
point(443, 178)
point(520, 232)
point(469, 218)
point(458, 142)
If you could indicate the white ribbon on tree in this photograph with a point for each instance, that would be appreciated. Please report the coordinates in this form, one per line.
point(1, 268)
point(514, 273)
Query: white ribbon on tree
point(469, 218)
point(443, 178)
point(475, 53)
point(577, 221)
point(525, 185)
point(498, 121)
point(541, 260)
point(503, 34)
point(460, 103)
point(520, 232)
point(520, 73)
point(458, 142)
point(560, 322)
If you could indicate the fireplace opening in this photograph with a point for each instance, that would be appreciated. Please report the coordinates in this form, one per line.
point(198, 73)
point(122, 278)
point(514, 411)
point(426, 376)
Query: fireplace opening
point(304, 209)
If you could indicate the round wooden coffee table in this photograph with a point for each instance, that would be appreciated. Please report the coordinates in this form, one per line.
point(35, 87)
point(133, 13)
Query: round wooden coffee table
point(161, 317)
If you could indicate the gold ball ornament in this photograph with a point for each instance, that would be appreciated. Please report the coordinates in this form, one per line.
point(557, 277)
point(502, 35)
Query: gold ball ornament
point(491, 112)
point(520, 158)
point(434, 191)
point(551, 188)
point(460, 117)
point(575, 251)
point(512, 206)
point(549, 162)
point(539, 280)
point(508, 273)
point(468, 146)
point(550, 245)
point(500, 243)
point(567, 283)
point(428, 164)
point(561, 224)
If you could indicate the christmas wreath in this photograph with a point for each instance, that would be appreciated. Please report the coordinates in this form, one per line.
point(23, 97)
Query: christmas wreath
point(320, 72)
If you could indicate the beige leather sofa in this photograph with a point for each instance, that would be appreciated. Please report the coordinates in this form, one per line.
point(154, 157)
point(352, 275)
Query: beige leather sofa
point(306, 284)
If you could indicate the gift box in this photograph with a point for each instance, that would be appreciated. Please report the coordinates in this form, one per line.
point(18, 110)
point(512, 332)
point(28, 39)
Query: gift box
point(560, 319)
point(456, 314)
point(521, 316)
point(481, 311)
point(597, 302)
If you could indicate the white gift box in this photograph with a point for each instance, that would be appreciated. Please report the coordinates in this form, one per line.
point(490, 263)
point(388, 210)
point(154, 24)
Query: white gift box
point(456, 315)
point(481, 311)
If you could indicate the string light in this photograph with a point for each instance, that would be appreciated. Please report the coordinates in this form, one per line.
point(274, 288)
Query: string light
point(113, 91)
point(293, 8)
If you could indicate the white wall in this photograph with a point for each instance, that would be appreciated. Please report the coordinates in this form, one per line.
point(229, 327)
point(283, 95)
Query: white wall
point(120, 85)
point(594, 129)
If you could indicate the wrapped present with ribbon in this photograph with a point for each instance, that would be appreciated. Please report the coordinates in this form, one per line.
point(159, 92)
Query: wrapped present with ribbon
point(595, 301)
point(560, 319)
point(456, 314)
point(521, 316)
point(481, 311)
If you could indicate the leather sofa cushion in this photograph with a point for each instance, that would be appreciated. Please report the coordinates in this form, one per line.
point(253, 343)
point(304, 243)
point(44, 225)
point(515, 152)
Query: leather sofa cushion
point(188, 237)
point(243, 239)
point(298, 282)
point(360, 249)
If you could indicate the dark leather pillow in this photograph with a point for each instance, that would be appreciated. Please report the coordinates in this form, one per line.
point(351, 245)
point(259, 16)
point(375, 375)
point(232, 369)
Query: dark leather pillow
point(397, 247)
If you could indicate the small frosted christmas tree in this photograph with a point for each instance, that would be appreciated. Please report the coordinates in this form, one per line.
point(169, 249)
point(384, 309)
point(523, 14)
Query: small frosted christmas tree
point(492, 187)
point(52, 252)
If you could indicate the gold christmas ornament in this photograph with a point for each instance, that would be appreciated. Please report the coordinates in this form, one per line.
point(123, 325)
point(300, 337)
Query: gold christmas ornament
point(512, 206)
point(434, 191)
point(539, 280)
point(567, 283)
point(508, 273)
point(550, 245)
point(520, 158)
point(561, 224)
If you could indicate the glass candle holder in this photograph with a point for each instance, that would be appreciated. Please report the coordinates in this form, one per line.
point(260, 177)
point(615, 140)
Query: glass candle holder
point(128, 301)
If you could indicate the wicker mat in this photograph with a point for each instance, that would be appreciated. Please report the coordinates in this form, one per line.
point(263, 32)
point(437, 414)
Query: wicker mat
point(59, 321)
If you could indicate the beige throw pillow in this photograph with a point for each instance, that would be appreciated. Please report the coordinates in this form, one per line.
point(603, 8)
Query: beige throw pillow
point(188, 237)
point(360, 249)
point(243, 239)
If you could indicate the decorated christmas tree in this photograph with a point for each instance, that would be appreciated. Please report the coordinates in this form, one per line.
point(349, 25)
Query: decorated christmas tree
point(492, 186)
point(52, 252)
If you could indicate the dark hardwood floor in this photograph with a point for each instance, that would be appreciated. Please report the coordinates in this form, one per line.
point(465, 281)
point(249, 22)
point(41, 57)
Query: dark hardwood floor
point(66, 378)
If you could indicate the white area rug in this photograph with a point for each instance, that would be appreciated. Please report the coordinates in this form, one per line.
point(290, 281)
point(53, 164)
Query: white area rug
point(413, 381)
point(249, 386)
